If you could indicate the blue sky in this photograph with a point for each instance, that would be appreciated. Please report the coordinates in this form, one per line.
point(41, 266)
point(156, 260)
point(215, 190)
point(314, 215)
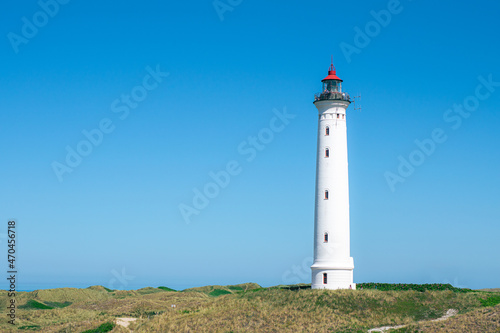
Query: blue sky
point(115, 219)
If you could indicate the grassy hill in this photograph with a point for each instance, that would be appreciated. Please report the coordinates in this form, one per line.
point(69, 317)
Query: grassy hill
point(250, 308)
point(224, 290)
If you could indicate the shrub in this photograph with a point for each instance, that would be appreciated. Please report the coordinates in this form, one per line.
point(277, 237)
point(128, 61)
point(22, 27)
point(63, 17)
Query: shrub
point(296, 286)
point(106, 327)
point(490, 301)
point(219, 292)
point(58, 304)
point(235, 288)
point(32, 304)
point(29, 327)
point(411, 286)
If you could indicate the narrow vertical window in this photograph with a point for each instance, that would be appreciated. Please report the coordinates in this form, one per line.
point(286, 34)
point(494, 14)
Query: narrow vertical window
point(325, 278)
point(327, 130)
point(327, 152)
point(326, 194)
point(338, 115)
point(326, 237)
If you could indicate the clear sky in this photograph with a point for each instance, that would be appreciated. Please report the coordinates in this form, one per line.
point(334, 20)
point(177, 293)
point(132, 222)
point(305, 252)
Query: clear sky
point(170, 91)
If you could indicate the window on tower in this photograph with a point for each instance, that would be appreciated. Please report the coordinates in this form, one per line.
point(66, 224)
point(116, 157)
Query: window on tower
point(327, 152)
point(343, 116)
point(326, 237)
point(338, 115)
point(325, 278)
point(326, 194)
point(327, 130)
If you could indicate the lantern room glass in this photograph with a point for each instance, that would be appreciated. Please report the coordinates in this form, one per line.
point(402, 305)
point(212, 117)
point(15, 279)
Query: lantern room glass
point(332, 86)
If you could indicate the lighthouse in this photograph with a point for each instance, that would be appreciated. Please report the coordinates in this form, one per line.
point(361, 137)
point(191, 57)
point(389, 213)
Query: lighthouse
point(333, 264)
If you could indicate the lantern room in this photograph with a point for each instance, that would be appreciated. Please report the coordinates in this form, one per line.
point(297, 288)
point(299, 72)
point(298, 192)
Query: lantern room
point(332, 88)
point(332, 83)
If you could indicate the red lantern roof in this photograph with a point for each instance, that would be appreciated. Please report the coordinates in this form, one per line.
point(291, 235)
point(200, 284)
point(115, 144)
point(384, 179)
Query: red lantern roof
point(332, 74)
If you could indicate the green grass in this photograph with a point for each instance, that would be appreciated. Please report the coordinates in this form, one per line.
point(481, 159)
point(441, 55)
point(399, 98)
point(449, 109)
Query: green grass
point(106, 327)
point(29, 327)
point(490, 301)
point(411, 286)
point(218, 292)
point(59, 305)
point(295, 286)
point(208, 289)
point(166, 289)
point(237, 288)
point(34, 305)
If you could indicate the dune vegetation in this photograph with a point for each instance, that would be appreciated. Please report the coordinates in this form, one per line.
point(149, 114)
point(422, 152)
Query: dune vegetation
point(251, 308)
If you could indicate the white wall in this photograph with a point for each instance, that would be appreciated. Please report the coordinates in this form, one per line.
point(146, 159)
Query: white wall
point(332, 215)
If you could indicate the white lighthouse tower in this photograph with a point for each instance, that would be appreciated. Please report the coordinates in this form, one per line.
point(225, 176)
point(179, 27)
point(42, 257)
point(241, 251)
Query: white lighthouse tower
point(333, 264)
